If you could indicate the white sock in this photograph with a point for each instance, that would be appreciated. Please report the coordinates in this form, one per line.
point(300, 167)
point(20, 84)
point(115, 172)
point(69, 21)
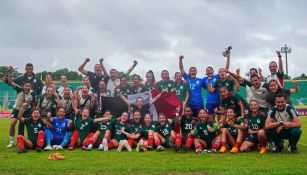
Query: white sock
point(11, 139)
point(104, 141)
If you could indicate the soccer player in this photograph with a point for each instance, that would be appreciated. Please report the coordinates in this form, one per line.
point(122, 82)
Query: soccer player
point(48, 83)
point(137, 86)
point(277, 72)
point(186, 123)
point(67, 103)
point(86, 100)
point(232, 131)
point(95, 77)
point(194, 83)
point(48, 102)
point(35, 128)
point(54, 136)
point(223, 81)
point(24, 95)
point(139, 104)
point(124, 87)
point(150, 82)
point(164, 135)
point(204, 133)
point(102, 95)
point(259, 92)
point(255, 125)
point(275, 89)
point(86, 82)
point(119, 134)
point(165, 83)
point(282, 123)
point(182, 90)
point(60, 89)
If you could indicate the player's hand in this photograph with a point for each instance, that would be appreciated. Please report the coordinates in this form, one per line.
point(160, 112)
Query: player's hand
point(101, 60)
point(25, 105)
point(294, 82)
point(49, 115)
point(238, 71)
point(278, 53)
point(135, 62)
point(87, 59)
point(164, 91)
point(181, 57)
point(10, 69)
point(118, 91)
point(216, 110)
point(210, 129)
point(259, 70)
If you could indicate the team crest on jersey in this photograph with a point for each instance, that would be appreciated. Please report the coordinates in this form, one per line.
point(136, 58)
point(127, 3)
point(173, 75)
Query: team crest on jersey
point(169, 85)
point(227, 84)
point(153, 126)
point(166, 125)
point(34, 80)
point(208, 126)
point(85, 123)
point(63, 124)
point(197, 82)
point(39, 125)
point(258, 120)
point(181, 87)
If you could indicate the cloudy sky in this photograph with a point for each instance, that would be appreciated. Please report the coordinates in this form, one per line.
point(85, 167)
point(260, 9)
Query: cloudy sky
point(54, 34)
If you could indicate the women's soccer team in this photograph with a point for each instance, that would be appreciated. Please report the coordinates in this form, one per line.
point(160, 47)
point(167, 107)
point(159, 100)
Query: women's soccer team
point(56, 118)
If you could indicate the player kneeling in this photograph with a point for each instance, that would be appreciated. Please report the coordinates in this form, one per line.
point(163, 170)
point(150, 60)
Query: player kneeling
point(35, 128)
point(256, 133)
point(204, 133)
point(232, 132)
point(164, 135)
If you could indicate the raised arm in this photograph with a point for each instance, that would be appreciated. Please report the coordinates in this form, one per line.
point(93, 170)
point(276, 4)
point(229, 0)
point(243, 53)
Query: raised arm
point(296, 88)
point(81, 67)
point(181, 64)
point(57, 98)
point(132, 67)
point(227, 61)
point(22, 110)
point(261, 78)
point(210, 88)
point(49, 117)
point(9, 77)
point(103, 68)
point(236, 76)
point(157, 97)
point(123, 97)
point(280, 66)
point(74, 103)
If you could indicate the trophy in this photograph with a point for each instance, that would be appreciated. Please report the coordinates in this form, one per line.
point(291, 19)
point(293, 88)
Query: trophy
point(227, 51)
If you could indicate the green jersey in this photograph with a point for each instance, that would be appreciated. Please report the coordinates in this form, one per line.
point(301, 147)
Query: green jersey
point(168, 85)
point(135, 127)
point(201, 131)
point(117, 127)
point(84, 127)
point(234, 131)
point(149, 87)
point(255, 123)
point(102, 127)
point(186, 126)
point(145, 129)
point(229, 84)
point(164, 130)
point(138, 89)
point(125, 90)
point(232, 101)
point(181, 90)
point(33, 127)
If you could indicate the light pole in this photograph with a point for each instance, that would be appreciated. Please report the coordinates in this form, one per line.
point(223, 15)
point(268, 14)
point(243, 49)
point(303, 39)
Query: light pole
point(286, 50)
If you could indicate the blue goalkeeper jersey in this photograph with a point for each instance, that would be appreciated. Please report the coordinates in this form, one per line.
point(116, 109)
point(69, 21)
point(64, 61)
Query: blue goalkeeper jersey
point(196, 99)
point(214, 96)
point(59, 128)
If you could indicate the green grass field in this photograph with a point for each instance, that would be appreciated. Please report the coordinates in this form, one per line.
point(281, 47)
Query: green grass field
point(168, 162)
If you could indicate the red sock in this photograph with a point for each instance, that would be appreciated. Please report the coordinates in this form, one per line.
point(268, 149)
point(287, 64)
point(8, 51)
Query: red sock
point(111, 145)
point(21, 142)
point(178, 141)
point(89, 139)
point(237, 144)
point(157, 142)
point(223, 143)
point(215, 146)
point(189, 141)
point(198, 146)
point(130, 142)
point(74, 138)
point(40, 139)
point(150, 140)
point(173, 138)
point(145, 146)
point(263, 144)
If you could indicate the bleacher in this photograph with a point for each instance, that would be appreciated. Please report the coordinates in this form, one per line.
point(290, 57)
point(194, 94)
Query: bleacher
point(299, 99)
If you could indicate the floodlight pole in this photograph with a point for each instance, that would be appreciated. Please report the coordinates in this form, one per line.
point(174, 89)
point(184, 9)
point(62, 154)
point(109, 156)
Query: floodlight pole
point(286, 50)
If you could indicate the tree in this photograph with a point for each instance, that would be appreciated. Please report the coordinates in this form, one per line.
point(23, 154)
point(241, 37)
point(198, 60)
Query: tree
point(3, 72)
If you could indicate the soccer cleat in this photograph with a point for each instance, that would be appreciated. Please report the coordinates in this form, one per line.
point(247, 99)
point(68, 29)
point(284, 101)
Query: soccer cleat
point(105, 147)
point(160, 148)
point(22, 151)
point(212, 151)
point(55, 147)
point(70, 148)
point(199, 151)
point(293, 149)
point(277, 149)
point(10, 145)
point(38, 149)
point(262, 150)
point(128, 147)
point(100, 147)
point(83, 147)
point(138, 147)
point(59, 147)
point(223, 149)
point(120, 146)
point(234, 150)
point(89, 147)
point(48, 148)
